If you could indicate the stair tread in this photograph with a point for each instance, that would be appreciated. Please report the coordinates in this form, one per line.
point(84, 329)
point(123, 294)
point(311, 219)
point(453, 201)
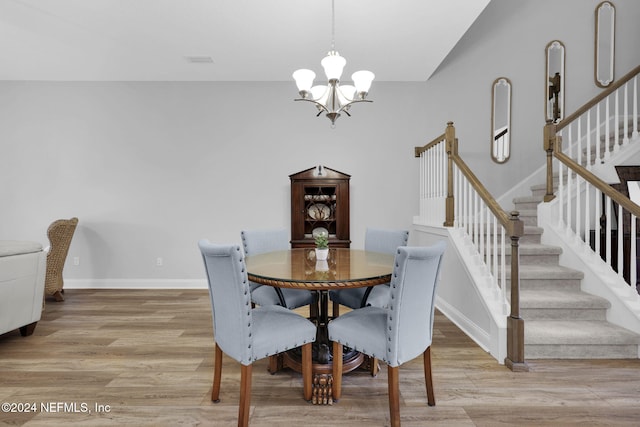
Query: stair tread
point(528, 230)
point(528, 199)
point(571, 332)
point(538, 248)
point(533, 229)
point(528, 212)
point(560, 298)
point(532, 271)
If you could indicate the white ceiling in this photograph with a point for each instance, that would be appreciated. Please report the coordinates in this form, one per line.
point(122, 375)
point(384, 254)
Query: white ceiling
point(248, 40)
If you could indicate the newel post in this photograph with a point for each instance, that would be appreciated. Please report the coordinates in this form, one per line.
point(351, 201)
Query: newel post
point(549, 145)
point(452, 149)
point(515, 325)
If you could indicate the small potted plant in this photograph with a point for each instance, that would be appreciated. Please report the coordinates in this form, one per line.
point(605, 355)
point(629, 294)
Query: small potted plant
point(322, 246)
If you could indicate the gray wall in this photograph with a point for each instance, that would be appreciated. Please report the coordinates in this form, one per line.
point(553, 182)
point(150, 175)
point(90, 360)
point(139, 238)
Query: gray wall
point(150, 168)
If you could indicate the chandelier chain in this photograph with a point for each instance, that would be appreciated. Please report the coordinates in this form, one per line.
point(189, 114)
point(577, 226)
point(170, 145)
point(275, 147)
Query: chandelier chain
point(333, 25)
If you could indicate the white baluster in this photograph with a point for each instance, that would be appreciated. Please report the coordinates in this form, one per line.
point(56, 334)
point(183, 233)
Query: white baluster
point(620, 238)
point(495, 247)
point(468, 207)
point(568, 188)
point(597, 201)
point(616, 124)
point(587, 209)
point(561, 200)
point(606, 141)
point(456, 200)
point(589, 139)
point(635, 107)
point(475, 216)
point(597, 135)
point(578, 229)
point(633, 254)
point(481, 229)
point(625, 137)
point(607, 233)
point(443, 172)
point(625, 131)
point(421, 184)
point(579, 131)
point(503, 263)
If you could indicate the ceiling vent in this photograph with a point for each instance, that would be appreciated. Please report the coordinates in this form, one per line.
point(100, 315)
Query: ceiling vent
point(199, 59)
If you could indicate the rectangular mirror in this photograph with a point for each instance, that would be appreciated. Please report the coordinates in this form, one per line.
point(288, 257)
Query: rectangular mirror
point(605, 43)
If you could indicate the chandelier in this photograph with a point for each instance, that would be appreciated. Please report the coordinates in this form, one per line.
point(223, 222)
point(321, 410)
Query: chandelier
point(333, 98)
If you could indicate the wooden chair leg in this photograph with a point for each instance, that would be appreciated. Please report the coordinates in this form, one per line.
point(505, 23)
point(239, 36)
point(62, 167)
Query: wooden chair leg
point(57, 295)
point(394, 396)
point(374, 368)
point(274, 365)
point(217, 373)
point(307, 369)
point(337, 371)
point(431, 398)
point(245, 395)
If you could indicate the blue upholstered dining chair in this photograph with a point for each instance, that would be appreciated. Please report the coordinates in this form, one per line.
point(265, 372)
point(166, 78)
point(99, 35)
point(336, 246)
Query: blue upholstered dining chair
point(247, 334)
point(375, 240)
point(402, 331)
point(260, 241)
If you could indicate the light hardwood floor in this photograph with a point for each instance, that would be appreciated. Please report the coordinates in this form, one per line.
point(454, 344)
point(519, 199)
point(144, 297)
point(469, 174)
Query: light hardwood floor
point(148, 355)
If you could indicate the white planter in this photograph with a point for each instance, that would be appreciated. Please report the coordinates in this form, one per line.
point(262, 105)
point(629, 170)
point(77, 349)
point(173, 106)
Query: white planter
point(322, 265)
point(322, 254)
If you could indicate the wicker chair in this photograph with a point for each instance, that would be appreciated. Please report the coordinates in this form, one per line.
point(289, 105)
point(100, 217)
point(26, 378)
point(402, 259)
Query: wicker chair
point(60, 233)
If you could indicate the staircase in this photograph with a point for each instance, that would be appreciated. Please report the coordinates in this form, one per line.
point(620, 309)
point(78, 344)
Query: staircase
point(562, 321)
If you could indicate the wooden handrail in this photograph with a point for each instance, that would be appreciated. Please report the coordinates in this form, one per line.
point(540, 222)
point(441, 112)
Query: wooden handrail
point(436, 140)
point(586, 107)
point(513, 229)
point(605, 188)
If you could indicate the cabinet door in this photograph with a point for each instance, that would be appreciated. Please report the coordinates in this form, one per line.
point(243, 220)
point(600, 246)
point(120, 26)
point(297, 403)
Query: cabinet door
point(342, 212)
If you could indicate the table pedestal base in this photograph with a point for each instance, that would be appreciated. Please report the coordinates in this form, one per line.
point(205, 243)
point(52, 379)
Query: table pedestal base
point(322, 372)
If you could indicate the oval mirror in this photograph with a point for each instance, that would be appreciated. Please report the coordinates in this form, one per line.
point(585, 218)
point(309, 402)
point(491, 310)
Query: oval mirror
point(501, 120)
point(554, 82)
point(605, 43)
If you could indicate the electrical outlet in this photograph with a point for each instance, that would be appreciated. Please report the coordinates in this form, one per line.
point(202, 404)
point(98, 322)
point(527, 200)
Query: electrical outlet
point(159, 262)
point(76, 260)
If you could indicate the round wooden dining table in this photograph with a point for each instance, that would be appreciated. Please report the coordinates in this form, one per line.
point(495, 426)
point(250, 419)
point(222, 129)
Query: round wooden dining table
point(298, 269)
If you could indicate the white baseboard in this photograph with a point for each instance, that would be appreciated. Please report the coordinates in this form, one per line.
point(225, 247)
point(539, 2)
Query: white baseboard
point(135, 284)
point(466, 325)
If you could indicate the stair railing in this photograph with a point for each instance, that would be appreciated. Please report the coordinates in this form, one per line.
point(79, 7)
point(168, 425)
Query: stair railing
point(449, 190)
point(596, 215)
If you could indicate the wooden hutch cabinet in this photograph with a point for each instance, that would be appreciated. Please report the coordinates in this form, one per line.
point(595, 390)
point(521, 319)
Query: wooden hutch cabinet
point(319, 201)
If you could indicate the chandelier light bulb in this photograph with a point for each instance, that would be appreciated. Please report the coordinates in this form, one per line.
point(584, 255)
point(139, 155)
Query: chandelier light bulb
point(304, 79)
point(333, 65)
point(362, 81)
